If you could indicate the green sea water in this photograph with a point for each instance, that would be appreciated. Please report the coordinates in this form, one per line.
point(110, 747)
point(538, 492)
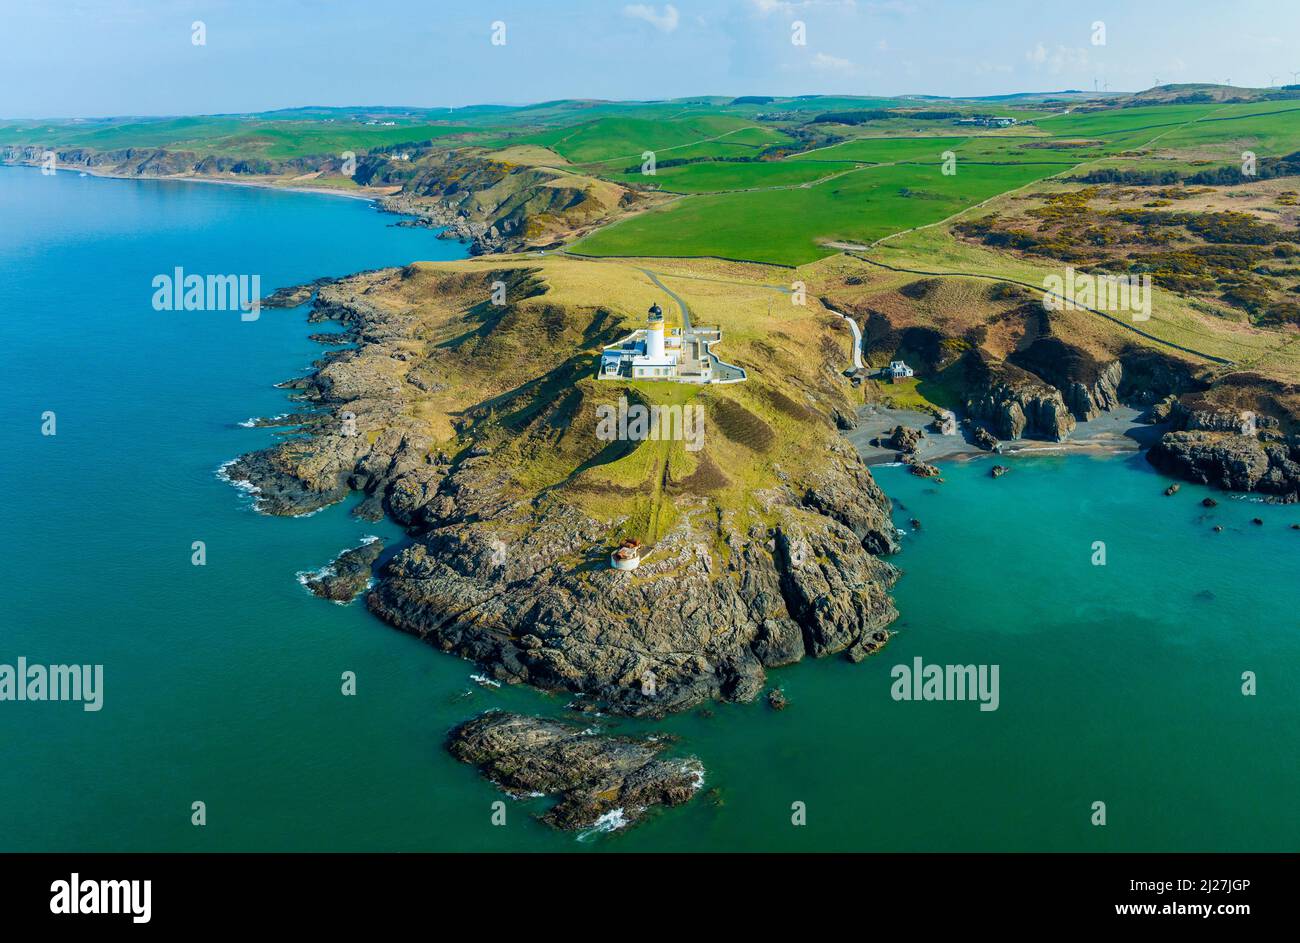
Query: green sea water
point(1119, 683)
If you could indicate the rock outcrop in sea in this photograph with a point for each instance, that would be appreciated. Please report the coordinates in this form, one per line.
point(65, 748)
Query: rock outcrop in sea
point(347, 575)
point(601, 781)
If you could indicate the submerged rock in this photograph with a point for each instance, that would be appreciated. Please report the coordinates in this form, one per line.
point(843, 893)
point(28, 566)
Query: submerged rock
point(347, 575)
point(776, 700)
point(997, 471)
point(1172, 490)
point(598, 778)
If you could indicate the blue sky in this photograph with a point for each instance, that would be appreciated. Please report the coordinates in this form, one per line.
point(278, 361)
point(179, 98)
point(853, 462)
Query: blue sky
point(116, 57)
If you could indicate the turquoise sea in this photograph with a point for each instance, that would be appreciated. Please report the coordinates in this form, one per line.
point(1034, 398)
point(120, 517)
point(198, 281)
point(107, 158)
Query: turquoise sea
point(1118, 683)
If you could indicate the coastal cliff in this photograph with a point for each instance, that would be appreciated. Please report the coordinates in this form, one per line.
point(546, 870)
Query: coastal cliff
point(498, 205)
point(475, 195)
point(1241, 433)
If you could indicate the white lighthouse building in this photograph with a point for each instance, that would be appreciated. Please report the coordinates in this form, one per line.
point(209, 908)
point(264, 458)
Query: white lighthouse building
point(654, 338)
point(652, 353)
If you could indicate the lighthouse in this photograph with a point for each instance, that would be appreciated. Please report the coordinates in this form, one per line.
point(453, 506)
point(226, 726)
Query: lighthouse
point(654, 336)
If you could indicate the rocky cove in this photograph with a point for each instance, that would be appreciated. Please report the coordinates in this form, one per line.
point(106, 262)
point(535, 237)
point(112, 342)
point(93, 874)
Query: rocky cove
point(1224, 425)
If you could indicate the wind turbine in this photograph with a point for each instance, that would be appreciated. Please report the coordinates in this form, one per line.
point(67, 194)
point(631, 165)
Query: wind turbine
point(1272, 80)
point(1295, 78)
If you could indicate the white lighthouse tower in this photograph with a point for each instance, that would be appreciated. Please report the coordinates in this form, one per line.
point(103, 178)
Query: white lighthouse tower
point(654, 337)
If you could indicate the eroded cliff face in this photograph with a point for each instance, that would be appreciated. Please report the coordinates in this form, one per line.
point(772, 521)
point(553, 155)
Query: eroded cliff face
point(477, 197)
point(157, 162)
point(1014, 401)
point(694, 623)
point(1231, 461)
point(1088, 385)
point(501, 206)
point(508, 563)
point(1241, 433)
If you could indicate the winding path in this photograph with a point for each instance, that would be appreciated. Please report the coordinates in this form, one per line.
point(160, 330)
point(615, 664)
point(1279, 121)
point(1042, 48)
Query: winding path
point(686, 311)
point(857, 339)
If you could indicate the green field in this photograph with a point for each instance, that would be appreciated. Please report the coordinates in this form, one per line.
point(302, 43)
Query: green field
point(839, 182)
point(889, 150)
point(626, 139)
point(786, 227)
point(715, 176)
point(1272, 131)
point(226, 137)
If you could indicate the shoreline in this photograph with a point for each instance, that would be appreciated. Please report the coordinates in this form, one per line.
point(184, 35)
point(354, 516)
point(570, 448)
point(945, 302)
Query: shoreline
point(1113, 432)
point(370, 195)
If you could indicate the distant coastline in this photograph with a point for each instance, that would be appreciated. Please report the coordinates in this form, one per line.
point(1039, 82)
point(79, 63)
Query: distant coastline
point(369, 194)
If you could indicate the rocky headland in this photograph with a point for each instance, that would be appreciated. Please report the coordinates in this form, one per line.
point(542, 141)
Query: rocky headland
point(474, 427)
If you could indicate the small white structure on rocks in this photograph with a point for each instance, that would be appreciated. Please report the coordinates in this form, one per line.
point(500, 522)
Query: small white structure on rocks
point(627, 556)
point(898, 370)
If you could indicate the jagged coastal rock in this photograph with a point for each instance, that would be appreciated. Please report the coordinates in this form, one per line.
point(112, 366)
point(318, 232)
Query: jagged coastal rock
point(1088, 386)
point(1231, 462)
point(598, 779)
point(1238, 434)
point(347, 575)
point(904, 439)
point(1014, 401)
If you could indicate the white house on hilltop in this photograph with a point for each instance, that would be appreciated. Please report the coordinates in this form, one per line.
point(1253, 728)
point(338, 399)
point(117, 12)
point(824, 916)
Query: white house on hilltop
point(679, 356)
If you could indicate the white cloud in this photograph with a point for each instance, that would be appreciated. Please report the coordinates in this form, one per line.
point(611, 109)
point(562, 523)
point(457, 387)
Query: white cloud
point(665, 22)
point(1057, 60)
point(901, 7)
point(764, 7)
point(830, 63)
point(882, 46)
